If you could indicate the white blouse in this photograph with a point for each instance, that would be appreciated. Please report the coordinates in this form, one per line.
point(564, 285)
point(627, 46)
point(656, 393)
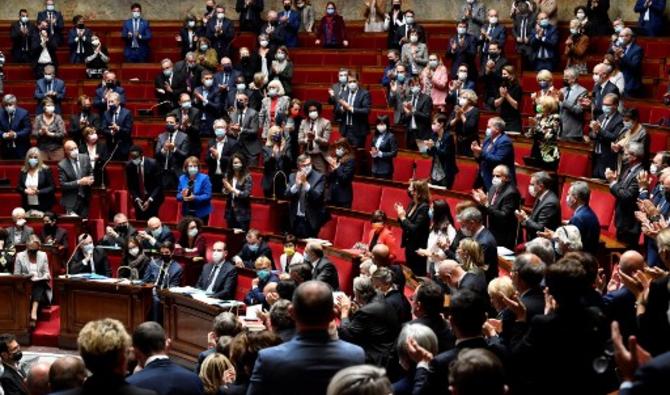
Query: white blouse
point(31, 182)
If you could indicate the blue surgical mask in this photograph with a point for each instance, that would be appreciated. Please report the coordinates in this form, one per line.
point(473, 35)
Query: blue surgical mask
point(330, 11)
point(253, 247)
point(544, 84)
point(220, 132)
point(186, 105)
point(606, 109)
point(204, 48)
point(136, 15)
point(167, 72)
point(33, 162)
point(544, 23)
point(88, 248)
point(263, 275)
point(430, 213)
point(400, 77)
point(193, 170)
point(489, 132)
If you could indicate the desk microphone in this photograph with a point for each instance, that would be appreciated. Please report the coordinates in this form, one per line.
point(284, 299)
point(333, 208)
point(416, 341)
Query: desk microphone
point(67, 263)
point(102, 168)
point(150, 110)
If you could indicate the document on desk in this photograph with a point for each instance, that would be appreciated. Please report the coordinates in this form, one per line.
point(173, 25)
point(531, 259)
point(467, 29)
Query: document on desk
point(502, 251)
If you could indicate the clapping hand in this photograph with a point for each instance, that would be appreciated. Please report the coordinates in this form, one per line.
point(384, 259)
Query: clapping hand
point(521, 215)
point(515, 305)
point(476, 148)
point(627, 359)
point(400, 211)
point(480, 196)
point(611, 175)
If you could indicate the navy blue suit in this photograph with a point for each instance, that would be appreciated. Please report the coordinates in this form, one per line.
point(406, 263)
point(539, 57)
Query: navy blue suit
point(654, 25)
point(122, 137)
point(651, 378)
point(101, 103)
point(42, 87)
point(220, 40)
point(291, 27)
point(302, 366)
point(340, 181)
point(16, 148)
point(498, 35)
point(444, 153)
point(57, 26)
point(497, 152)
point(664, 207)
point(153, 274)
point(167, 378)
point(209, 111)
point(490, 248)
point(137, 48)
point(589, 228)
point(545, 49)
point(631, 67)
point(73, 43)
point(382, 166)
point(619, 306)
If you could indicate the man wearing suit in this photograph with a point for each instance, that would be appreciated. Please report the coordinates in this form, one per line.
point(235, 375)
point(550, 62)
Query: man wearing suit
point(225, 79)
point(427, 308)
point(290, 19)
point(172, 148)
point(244, 125)
point(524, 24)
point(168, 86)
point(651, 16)
point(496, 150)
point(602, 87)
point(338, 89)
point(584, 218)
point(188, 122)
point(224, 324)
point(144, 184)
point(155, 234)
point(52, 234)
point(76, 178)
point(527, 275)
point(83, 119)
point(499, 206)
point(275, 32)
point(43, 49)
point(250, 14)
point(53, 20)
point(322, 268)
point(189, 70)
point(15, 129)
point(463, 50)
point(383, 280)
point(51, 87)
point(314, 135)
point(572, 112)
point(490, 72)
point(546, 212)
point(117, 126)
point(630, 55)
point(544, 43)
point(416, 113)
point(619, 303)
point(492, 32)
point(137, 34)
point(110, 85)
point(21, 32)
point(19, 233)
point(12, 378)
point(164, 272)
point(353, 109)
point(626, 190)
point(402, 32)
point(79, 41)
point(219, 278)
point(158, 372)
point(219, 151)
point(384, 148)
point(220, 31)
point(208, 100)
point(658, 167)
point(472, 225)
point(254, 248)
point(648, 379)
point(305, 364)
point(118, 233)
point(604, 132)
point(306, 195)
point(89, 258)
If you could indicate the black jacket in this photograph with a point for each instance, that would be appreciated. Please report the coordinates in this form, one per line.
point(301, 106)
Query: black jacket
point(45, 189)
point(100, 260)
point(400, 304)
point(12, 382)
point(546, 214)
point(500, 215)
point(324, 270)
point(152, 181)
point(110, 385)
point(225, 283)
point(249, 257)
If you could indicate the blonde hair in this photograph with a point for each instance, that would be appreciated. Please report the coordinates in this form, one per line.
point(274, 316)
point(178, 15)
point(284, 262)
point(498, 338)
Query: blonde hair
point(549, 104)
point(271, 132)
point(278, 85)
point(262, 262)
point(472, 256)
point(470, 95)
point(103, 344)
point(212, 371)
point(501, 285)
point(544, 75)
point(40, 163)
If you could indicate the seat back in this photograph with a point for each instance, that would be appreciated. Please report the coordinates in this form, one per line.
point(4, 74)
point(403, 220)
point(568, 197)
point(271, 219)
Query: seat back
point(218, 211)
point(346, 271)
point(327, 231)
point(170, 210)
point(467, 174)
point(348, 232)
point(573, 163)
point(390, 196)
point(367, 196)
point(403, 168)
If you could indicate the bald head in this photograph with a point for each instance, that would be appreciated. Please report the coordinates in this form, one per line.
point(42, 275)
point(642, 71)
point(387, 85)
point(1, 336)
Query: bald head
point(450, 272)
point(630, 262)
point(380, 254)
point(38, 379)
point(67, 373)
point(154, 223)
point(312, 306)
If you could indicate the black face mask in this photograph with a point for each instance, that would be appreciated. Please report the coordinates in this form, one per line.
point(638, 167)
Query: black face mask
point(49, 228)
point(122, 228)
point(170, 128)
point(396, 6)
point(110, 85)
point(17, 356)
point(240, 105)
point(209, 9)
point(166, 258)
point(32, 251)
point(287, 7)
point(80, 25)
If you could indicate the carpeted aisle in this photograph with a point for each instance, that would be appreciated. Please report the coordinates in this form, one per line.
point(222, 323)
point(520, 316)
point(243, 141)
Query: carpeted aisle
point(48, 327)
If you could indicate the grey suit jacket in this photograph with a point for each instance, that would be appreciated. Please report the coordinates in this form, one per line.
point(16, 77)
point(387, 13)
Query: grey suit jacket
point(21, 265)
point(264, 115)
point(174, 159)
point(248, 136)
point(11, 233)
point(417, 64)
point(572, 114)
point(68, 181)
point(322, 130)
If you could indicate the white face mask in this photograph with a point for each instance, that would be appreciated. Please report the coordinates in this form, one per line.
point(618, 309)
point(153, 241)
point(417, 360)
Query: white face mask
point(413, 39)
point(49, 109)
point(461, 30)
point(496, 181)
point(353, 86)
point(313, 115)
point(462, 75)
point(493, 20)
point(343, 79)
point(596, 78)
point(339, 152)
point(193, 232)
point(208, 83)
point(134, 251)
point(73, 154)
point(20, 222)
point(217, 256)
point(489, 132)
point(264, 43)
point(462, 102)
point(531, 190)
point(95, 43)
point(220, 15)
point(653, 169)
point(433, 64)
point(93, 138)
point(381, 128)
point(569, 200)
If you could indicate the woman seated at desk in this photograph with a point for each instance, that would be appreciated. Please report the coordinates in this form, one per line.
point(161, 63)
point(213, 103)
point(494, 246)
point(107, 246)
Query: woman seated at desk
point(34, 263)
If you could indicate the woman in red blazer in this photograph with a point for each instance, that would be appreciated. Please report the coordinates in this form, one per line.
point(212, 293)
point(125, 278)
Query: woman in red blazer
point(381, 234)
point(331, 32)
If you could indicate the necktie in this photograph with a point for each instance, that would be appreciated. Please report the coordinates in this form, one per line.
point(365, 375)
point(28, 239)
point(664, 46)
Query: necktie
point(92, 262)
point(225, 79)
point(49, 86)
point(240, 117)
point(161, 277)
point(114, 117)
point(140, 177)
point(136, 28)
point(212, 278)
point(523, 29)
point(352, 96)
point(11, 119)
point(495, 196)
point(51, 24)
point(75, 166)
point(567, 92)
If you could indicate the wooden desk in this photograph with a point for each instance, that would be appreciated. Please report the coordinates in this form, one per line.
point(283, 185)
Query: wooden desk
point(187, 322)
point(83, 301)
point(15, 294)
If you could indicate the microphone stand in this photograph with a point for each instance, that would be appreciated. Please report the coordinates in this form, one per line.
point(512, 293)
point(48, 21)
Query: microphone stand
point(102, 168)
point(67, 263)
point(274, 183)
point(134, 274)
point(150, 110)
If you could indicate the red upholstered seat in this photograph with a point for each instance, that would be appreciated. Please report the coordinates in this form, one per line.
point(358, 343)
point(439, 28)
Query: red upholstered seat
point(22, 91)
point(658, 140)
point(603, 204)
point(9, 201)
point(346, 271)
point(576, 164)
point(658, 113)
point(277, 249)
point(256, 185)
point(366, 196)
point(115, 176)
point(327, 231)
point(467, 174)
point(348, 232)
point(143, 72)
point(145, 129)
point(170, 210)
point(218, 211)
point(390, 196)
point(522, 182)
point(423, 168)
point(114, 263)
point(10, 172)
point(263, 220)
point(403, 168)
point(375, 112)
point(244, 279)
point(521, 151)
point(378, 96)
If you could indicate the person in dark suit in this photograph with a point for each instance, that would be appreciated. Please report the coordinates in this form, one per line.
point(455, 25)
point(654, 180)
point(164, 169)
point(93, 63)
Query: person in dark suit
point(158, 372)
point(188, 122)
point(144, 184)
point(189, 34)
point(374, 325)
point(415, 225)
point(383, 280)
point(250, 14)
point(403, 31)
point(36, 184)
point(312, 357)
point(43, 49)
point(53, 20)
point(244, 124)
point(224, 324)
point(237, 186)
point(164, 272)
point(619, 303)
point(546, 212)
point(220, 31)
point(492, 32)
point(110, 84)
point(464, 121)
point(220, 150)
point(651, 16)
point(472, 225)
point(168, 86)
point(428, 305)
point(76, 178)
point(395, 20)
point(49, 87)
point(648, 379)
point(462, 50)
point(276, 163)
point(172, 148)
point(97, 152)
point(524, 18)
point(452, 274)
point(629, 56)
point(383, 149)
point(307, 211)
point(605, 131)
point(52, 234)
point(467, 314)
point(254, 248)
point(79, 40)
point(136, 34)
point(416, 113)
point(12, 378)
point(155, 234)
point(89, 258)
point(625, 188)
point(527, 275)
point(19, 233)
point(322, 268)
point(189, 70)
point(83, 119)
point(341, 176)
point(15, 129)
point(118, 232)
point(21, 32)
point(496, 150)
point(353, 109)
point(290, 20)
point(107, 365)
point(219, 277)
point(490, 72)
point(117, 126)
point(544, 43)
point(583, 217)
point(602, 87)
point(225, 80)
point(207, 99)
